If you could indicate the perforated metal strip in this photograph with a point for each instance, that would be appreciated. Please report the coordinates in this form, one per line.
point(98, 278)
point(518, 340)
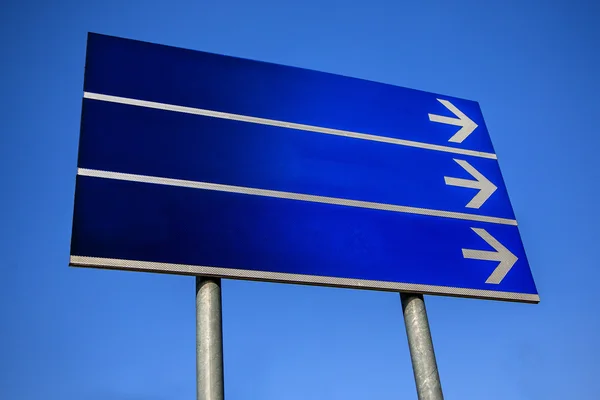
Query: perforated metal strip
point(292, 196)
point(197, 270)
point(283, 124)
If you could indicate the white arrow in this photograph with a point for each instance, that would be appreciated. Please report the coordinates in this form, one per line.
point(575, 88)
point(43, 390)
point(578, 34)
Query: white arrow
point(502, 254)
point(467, 125)
point(486, 188)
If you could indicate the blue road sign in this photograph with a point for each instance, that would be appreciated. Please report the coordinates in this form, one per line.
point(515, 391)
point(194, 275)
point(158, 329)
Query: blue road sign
point(203, 164)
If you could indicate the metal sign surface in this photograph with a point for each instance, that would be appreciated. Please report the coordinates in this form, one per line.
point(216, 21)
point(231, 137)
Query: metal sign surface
point(203, 164)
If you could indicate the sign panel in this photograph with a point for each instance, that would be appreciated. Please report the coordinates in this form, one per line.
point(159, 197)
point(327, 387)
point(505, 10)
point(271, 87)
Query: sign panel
point(203, 164)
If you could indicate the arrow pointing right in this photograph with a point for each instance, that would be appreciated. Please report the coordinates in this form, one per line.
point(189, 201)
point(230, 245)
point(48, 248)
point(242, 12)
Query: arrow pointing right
point(467, 125)
point(486, 188)
point(502, 254)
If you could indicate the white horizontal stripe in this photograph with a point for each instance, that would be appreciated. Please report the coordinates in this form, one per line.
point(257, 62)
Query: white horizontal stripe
point(291, 196)
point(183, 269)
point(282, 124)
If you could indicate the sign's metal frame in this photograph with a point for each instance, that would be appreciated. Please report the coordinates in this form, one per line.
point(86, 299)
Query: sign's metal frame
point(282, 277)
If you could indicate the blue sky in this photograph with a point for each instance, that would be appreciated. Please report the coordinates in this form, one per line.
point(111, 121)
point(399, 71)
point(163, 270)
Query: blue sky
point(70, 333)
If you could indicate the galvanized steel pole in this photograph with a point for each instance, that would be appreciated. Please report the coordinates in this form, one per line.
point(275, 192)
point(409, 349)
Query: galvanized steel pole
point(422, 355)
point(209, 340)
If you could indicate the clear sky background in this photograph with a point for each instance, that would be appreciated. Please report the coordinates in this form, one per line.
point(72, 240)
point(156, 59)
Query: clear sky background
point(69, 333)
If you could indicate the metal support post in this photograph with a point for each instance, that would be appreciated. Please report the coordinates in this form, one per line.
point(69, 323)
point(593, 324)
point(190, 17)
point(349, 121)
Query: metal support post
point(422, 355)
point(209, 340)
